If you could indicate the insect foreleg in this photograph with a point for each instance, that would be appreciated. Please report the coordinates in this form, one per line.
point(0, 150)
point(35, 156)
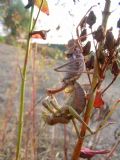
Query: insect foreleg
point(77, 116)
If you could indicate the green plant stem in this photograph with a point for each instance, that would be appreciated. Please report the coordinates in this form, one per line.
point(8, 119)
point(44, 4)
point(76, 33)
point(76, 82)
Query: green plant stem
point(37, 16)
point(21, 110)
point(95, 79)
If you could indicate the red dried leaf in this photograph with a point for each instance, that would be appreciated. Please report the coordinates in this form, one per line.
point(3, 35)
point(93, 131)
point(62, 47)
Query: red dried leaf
point(98, 103)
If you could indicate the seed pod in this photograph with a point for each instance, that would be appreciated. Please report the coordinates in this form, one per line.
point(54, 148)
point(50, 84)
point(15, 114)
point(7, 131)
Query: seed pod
point(110, 41)
point(83, 34)
point(101, 58)
point(99, 35)
point(86, 48)
point(91, 19)
point(118, 23)
point(115, 69)
point(90, 63)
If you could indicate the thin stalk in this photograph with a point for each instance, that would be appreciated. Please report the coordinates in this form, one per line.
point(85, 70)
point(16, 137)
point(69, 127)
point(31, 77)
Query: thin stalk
point(65, 143)
point(89, 108)
point(33, 105)
point(22, 94)
point(76, 129)
point(37, 16)
point(113, 150)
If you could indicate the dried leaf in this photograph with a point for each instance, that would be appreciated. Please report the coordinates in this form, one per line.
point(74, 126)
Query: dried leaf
point(91, 19)
point(110, 41)
point(98, 103)
point(99, 35)
point(44, 7)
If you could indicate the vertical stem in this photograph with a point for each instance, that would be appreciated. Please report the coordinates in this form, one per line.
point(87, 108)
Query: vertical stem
point(33, 104)
point(65, 142)
point(89, 108)
point(21, 109)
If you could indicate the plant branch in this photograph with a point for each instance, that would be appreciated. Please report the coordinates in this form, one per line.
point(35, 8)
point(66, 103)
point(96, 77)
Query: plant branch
point(95, 80)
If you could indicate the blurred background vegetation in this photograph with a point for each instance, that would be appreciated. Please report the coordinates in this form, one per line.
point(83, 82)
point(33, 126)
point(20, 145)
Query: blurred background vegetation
point(14, 23)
